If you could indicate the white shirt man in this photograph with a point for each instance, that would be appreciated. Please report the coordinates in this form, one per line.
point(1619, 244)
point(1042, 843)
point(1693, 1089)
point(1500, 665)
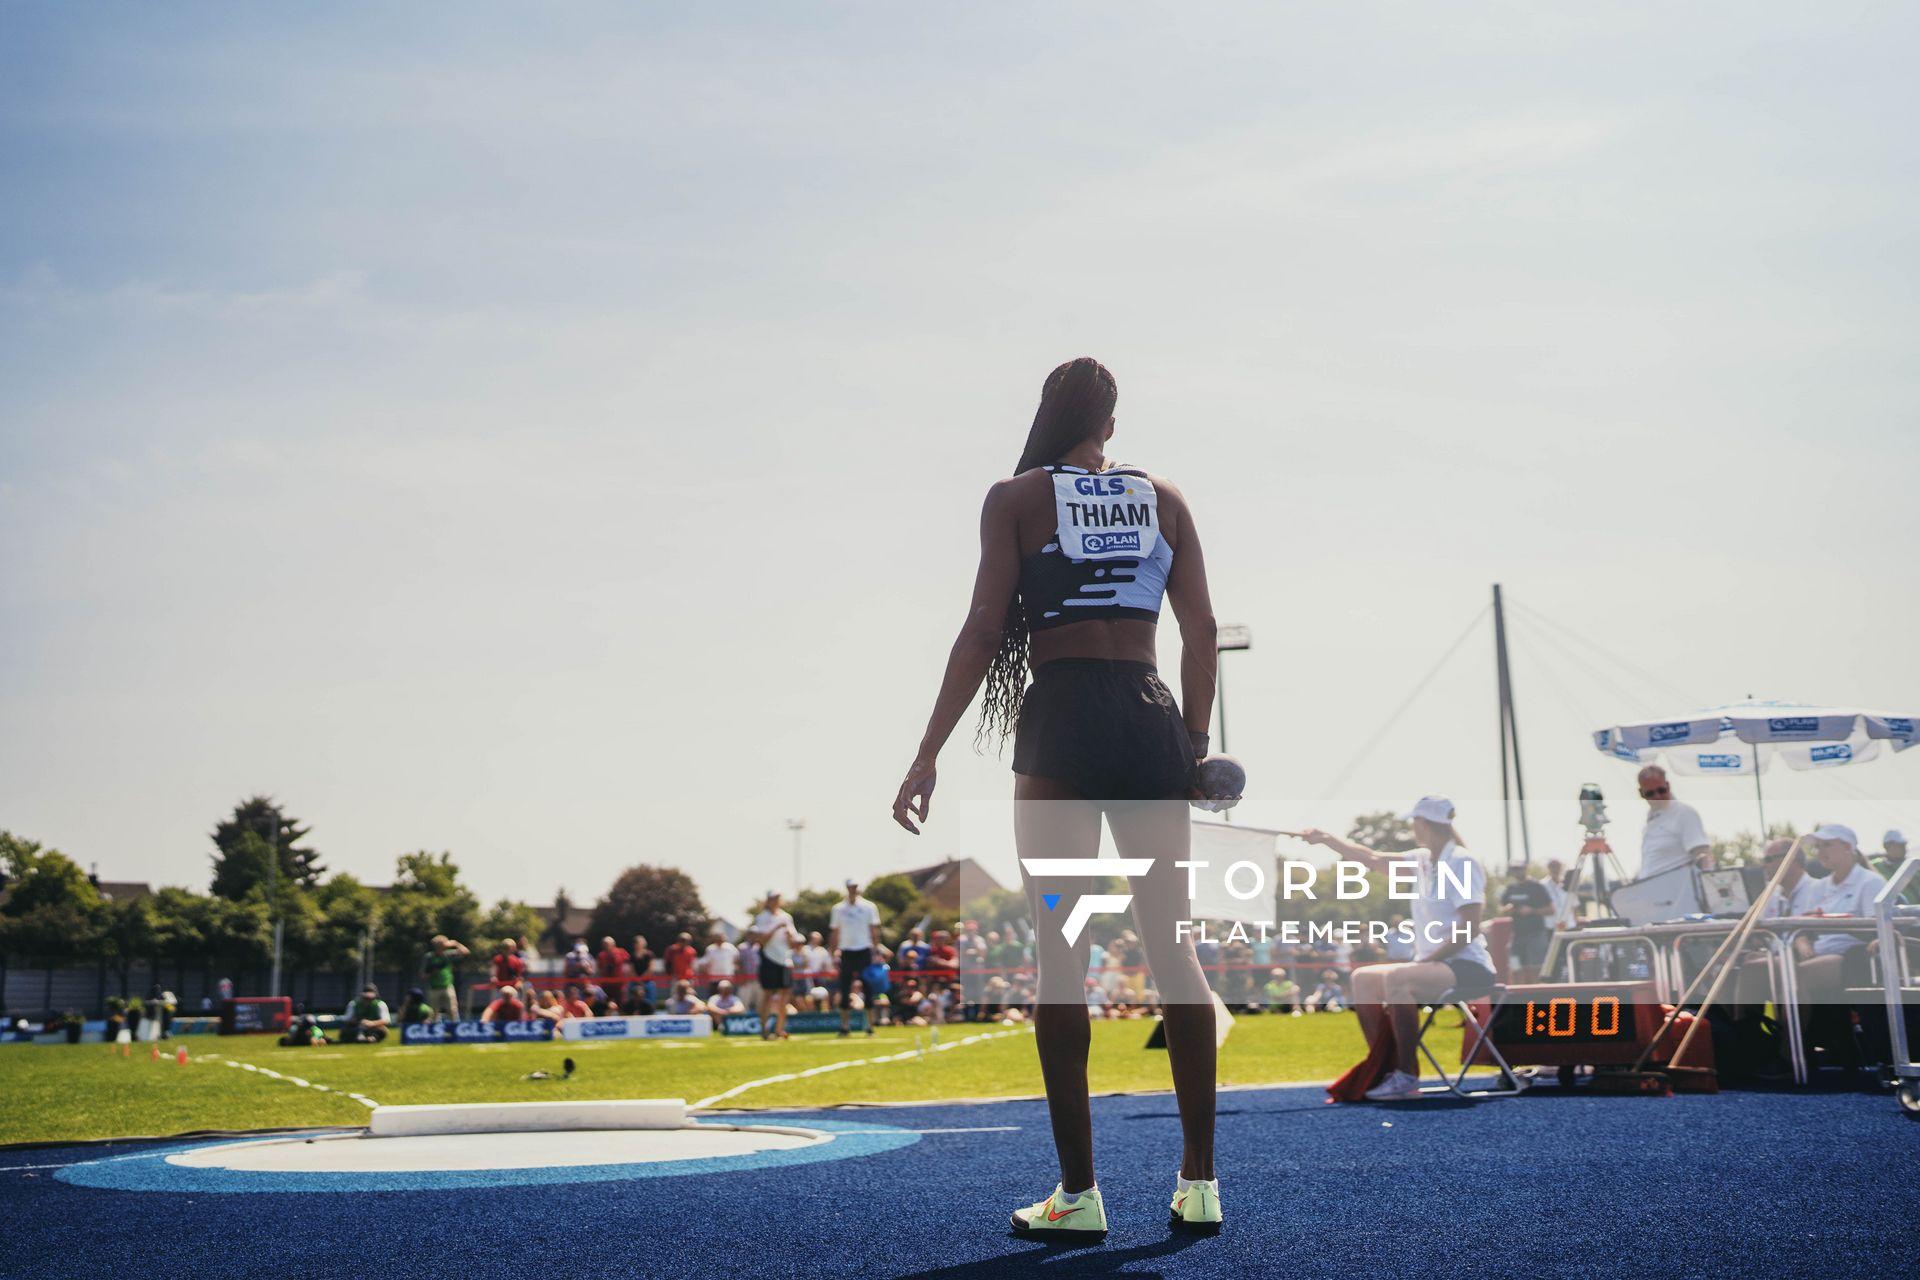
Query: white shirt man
point(1674, 836)
point(855, 923)
point(722, 959)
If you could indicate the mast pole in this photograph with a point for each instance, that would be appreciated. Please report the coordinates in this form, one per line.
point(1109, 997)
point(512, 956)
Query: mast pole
point(1509, 740)
point(1500, 674)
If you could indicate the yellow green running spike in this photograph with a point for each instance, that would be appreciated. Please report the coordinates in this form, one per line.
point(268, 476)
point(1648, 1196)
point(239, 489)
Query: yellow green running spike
point(1197, 1209)
point(1055, 1219)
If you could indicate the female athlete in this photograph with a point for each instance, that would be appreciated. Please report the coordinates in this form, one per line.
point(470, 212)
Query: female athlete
point(1075, 555)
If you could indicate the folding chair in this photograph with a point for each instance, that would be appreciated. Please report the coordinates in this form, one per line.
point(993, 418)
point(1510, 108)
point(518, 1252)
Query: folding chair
point(1479, 1043)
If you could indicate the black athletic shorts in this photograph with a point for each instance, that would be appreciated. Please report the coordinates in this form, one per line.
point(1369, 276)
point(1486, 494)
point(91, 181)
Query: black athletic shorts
point(852, 965)
point(1110, 730)
point(1471, 981)
point(775, 976)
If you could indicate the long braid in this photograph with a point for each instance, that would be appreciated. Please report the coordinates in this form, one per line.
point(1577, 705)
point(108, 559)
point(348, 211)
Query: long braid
point(1076, 401)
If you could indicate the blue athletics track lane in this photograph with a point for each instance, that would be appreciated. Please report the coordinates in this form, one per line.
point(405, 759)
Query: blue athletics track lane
point(1739, 1184)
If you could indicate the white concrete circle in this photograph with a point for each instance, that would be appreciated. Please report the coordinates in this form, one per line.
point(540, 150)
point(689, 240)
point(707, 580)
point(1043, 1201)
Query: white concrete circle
point(362, 1153)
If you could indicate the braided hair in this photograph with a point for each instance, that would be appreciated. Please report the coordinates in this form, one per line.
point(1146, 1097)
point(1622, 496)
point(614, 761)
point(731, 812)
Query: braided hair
point(1076, 402)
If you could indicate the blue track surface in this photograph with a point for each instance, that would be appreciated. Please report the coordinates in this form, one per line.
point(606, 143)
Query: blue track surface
point(1547, 1184)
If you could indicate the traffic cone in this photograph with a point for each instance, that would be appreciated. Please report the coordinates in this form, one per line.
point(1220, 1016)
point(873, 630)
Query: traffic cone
point(156, 1051)
point(181, 1057)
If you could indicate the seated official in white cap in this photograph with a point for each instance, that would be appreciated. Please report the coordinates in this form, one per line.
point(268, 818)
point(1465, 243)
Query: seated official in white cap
point(1797, 895)
point(1893, 856)
point(1831, 961)
point(1449, 951)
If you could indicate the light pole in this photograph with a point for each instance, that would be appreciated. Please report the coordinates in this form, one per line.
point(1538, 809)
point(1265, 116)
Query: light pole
point(273, 900)
point(796, 825)
point(1226, 640)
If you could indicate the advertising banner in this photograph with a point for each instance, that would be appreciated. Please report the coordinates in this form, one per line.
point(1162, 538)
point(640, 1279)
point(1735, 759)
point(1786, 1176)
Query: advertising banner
point(651, 1027)
point(254, 1015)
point(748, 1024)
point(476, 1032)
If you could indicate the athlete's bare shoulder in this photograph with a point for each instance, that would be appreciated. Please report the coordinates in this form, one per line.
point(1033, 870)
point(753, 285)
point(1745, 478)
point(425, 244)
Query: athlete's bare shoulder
point(1167, 489)
point(1172, 504)
point(1019, 493)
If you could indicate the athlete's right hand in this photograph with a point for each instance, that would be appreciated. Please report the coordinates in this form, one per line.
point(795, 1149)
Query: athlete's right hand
point(915, 795)
point(1314, 835)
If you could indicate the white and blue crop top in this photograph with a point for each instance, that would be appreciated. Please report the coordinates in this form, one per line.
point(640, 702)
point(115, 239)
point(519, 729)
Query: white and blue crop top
point(1107, 559)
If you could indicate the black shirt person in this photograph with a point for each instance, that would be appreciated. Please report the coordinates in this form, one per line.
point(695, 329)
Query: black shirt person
point(1531, 907)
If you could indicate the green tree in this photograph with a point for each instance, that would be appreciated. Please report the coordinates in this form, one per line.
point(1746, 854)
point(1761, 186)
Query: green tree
point(179, 925)
point(901, 905)
point(657, 902)
point(427, 898)
point(344, 909)
point(509, 919)
point(813, 908)
point(236, 933)
point(239, 867)
point(1382, 831)
point(130, 933)
point(996, 909)
point(1743, 848)
point(53, 913)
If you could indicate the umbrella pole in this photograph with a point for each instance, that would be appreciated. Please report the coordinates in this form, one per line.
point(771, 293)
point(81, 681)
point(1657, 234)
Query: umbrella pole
point(1759, 795)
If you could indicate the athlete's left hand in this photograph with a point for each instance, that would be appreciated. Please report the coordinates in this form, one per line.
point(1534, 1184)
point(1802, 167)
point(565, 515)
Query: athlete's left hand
point(915, 796)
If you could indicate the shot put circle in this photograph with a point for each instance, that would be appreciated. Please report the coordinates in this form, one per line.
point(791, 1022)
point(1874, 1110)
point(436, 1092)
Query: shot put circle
point(357, 1162)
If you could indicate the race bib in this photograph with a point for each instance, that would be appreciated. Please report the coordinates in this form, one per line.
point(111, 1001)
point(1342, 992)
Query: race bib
point(1105, 517)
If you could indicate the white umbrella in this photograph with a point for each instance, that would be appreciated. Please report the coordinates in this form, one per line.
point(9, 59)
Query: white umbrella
point(1745, 737)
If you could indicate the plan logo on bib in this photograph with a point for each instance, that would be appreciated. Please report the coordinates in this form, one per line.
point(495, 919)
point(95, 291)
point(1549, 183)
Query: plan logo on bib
point(1098, 543)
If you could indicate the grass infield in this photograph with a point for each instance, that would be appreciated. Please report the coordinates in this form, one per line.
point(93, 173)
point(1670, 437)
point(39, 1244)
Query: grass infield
point(51, 1093)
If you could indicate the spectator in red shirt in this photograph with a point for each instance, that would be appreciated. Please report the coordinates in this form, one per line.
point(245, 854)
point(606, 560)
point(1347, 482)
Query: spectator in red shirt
point(616, 962)
point(943, 960)
point(509, 967)
point(573, 1006)
point(680, 958)
point(506, 1007)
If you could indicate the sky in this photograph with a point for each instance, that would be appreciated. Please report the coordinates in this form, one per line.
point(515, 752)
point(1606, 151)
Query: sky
point(556, 435)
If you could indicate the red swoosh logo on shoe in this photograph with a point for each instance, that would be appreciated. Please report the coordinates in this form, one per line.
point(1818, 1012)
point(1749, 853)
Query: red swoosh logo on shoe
point(1053, 1216)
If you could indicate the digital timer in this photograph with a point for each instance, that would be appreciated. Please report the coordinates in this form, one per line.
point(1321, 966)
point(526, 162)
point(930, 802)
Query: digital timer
point(1576, 1023)
point(1566, 1018)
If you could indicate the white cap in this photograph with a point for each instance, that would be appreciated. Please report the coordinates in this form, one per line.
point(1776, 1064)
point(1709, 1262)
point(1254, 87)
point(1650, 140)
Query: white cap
point(1895, 836)
point(1835, 831)
point(1432, 808)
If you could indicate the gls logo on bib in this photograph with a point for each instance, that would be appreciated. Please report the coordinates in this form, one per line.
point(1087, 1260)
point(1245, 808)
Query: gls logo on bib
point(1105, 517)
